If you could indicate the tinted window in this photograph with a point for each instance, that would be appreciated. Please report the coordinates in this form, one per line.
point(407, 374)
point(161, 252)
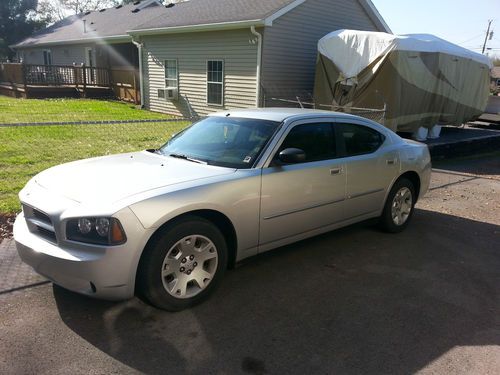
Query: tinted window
point(316, 140)
point(358, 139)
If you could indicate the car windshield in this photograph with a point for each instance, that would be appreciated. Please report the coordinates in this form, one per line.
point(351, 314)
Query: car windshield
point(222, 141)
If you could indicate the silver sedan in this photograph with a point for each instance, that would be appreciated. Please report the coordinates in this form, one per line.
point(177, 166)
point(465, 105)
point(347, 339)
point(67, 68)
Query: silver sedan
point(165, 224)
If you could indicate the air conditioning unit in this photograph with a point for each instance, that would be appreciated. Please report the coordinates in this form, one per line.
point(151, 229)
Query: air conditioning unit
point(171, 93)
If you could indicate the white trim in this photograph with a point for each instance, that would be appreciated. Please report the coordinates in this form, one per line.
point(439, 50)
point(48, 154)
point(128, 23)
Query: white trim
point(47, 57)
point(141, 79)
point(170, 79)
point(93, 57)
point(213, 82)
point(369, 6)
point(268, 21)
point(194, 28)
point(259, 63)
point(102, 40)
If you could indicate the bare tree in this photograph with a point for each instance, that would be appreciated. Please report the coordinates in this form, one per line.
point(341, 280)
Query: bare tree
point(79, 6)
point(52, 11)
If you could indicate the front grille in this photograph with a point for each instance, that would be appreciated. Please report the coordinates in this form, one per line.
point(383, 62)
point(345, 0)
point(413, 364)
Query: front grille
point(39, 223)
point(47, 234)
point(41, 216)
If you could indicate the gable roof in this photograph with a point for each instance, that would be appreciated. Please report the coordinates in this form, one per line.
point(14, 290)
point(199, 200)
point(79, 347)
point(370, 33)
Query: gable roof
point(149, 16)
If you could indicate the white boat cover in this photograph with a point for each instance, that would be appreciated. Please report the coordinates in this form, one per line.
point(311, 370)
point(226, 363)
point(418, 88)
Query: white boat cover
point(422, 79)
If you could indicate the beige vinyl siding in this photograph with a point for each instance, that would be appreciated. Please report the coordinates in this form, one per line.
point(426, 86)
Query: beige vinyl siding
point(61, 55)
point(238, 50)
point(290, 44)
point(33, 56)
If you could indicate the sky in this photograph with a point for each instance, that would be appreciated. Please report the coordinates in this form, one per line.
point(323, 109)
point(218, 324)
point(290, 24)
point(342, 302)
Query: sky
point(463, 22)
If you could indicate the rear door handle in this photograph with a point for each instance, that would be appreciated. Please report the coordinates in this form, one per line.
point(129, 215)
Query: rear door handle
point(392, 161)
point(335, 171)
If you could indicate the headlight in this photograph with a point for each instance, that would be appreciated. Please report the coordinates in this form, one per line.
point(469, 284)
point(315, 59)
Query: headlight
point(96, 230)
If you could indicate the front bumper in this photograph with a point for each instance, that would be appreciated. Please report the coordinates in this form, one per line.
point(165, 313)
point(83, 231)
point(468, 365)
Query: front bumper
point(97, 271)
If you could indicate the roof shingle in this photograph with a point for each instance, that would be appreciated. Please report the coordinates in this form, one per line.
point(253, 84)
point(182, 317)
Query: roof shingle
point(114, 22)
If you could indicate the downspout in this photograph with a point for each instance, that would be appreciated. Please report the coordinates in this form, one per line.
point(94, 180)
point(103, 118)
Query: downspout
point(141, 83)
point(259, 63)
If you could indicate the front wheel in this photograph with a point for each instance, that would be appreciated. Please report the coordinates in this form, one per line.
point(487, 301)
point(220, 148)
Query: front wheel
point(399, 206)
point(182, 265)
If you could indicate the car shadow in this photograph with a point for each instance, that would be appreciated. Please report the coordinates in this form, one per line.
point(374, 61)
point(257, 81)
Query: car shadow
point(351, 301)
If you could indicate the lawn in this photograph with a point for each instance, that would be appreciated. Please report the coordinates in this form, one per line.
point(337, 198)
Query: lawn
point(58, 110)
point(27, 150)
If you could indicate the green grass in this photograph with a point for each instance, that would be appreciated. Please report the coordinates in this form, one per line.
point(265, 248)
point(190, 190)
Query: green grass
point(58, 110)
point(27, 150)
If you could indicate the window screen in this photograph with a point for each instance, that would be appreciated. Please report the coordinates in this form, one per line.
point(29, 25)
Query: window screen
point(215, 82)
point(171, 74)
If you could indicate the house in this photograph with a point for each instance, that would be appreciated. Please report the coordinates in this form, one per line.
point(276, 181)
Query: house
point(495, 79)
point(200, 56)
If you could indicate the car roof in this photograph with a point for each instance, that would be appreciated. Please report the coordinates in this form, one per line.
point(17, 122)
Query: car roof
point(279, 114)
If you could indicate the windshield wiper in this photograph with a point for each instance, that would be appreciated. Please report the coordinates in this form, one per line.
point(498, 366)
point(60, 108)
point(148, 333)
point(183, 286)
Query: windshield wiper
point(185, 157)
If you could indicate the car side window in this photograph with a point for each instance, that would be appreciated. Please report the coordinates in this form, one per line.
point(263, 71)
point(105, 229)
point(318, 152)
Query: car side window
point(358, 139)
point(316, 140)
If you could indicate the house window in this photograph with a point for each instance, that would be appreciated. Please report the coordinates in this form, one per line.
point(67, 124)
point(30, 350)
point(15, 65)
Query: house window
point(171, 74)
point(47, 57)
point(215, 82)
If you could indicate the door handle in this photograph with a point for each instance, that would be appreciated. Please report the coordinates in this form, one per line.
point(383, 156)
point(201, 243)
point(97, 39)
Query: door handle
point(335, 171)
point(392, 161)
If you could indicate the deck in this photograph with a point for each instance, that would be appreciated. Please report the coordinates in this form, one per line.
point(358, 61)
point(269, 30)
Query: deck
point(52, 81)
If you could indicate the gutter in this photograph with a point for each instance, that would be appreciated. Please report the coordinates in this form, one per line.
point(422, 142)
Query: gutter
point(139, 46)
point(101, 40)
point(259, 63)
point(194, 28)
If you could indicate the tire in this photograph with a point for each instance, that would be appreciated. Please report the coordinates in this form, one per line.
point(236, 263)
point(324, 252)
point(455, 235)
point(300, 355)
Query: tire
point(182, 264)
point(399, 207)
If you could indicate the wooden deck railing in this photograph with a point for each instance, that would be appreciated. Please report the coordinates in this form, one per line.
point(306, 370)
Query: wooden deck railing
point(123, 82)
point(62, 75)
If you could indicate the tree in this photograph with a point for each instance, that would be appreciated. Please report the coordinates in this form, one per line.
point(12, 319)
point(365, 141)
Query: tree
point(16, 23)
point(79, 6)
point(495, 61)
point(56, 10)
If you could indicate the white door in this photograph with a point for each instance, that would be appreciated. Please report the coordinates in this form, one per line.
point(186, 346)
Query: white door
point(90, 64)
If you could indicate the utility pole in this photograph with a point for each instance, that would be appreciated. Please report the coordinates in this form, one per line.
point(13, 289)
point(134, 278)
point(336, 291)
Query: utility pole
point(487, 35)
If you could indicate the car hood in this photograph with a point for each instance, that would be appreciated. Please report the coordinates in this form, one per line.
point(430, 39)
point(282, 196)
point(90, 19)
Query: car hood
point(111, 178)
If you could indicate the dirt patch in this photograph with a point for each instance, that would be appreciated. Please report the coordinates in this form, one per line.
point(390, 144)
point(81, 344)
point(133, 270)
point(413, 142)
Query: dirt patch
point(6, 223)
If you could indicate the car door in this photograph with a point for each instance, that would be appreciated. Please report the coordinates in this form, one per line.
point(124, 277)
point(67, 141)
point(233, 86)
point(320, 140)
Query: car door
point(370, 167)
point(297, 198)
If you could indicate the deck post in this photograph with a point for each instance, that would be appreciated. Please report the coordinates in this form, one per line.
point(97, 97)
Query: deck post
point(75, 76)
point(110, 80)
point(84, 74)
point(135, 88)
point(24, 78)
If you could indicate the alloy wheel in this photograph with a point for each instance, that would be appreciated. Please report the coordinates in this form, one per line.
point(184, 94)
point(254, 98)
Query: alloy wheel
point(402, 204)
point(189, 266)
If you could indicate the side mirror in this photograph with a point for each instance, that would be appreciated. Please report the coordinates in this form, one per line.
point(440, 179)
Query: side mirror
point(292, 156)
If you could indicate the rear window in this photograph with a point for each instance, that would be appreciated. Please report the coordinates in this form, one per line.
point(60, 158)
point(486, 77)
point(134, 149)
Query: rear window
point(358, 139)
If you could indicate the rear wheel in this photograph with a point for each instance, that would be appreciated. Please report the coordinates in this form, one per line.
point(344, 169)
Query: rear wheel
point(399, 206)
point(183, 264)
